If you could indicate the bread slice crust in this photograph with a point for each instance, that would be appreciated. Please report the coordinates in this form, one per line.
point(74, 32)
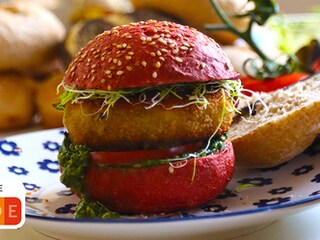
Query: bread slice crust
point(282, 130)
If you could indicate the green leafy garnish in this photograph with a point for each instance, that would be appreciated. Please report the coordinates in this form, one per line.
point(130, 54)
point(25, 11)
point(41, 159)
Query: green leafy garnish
point(151, 96)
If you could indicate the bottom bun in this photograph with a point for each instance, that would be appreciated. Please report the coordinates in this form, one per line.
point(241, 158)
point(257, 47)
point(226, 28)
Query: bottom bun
point(163, 188)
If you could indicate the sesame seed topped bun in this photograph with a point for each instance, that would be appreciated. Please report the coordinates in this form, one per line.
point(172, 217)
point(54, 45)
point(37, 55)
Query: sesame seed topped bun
point(148, 54)
point(147, 108)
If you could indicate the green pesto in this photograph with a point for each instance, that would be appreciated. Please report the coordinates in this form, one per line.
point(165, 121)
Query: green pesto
point(87, 208)
point(74, 160)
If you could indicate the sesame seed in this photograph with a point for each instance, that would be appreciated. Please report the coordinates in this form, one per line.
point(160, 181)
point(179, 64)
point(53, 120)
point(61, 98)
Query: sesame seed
point(186, 44)
point(110, 76)
point(144, 63)
point(119, 72)
point(152, 54)
point(159, 53)
point(102, 80)
point(124, 45)
point(163, 50)
point(109, 87)
point(102, 58)
point(128, 36)
point(129, 68)
point(149, 39)
point(162, 40)
point(83, 55)
point(110, 59)
point(158, 64)
point(161, 58)
point(130, 53)
point(203, 65)
point(93, 65)
point(119, 63)
point(115, 60)
point(178, 59)
point(175, 51)
point(128, 58)
point(107, 72)
point(183, 48)
point(154, 75)
point(89, 59)
point(72, 68)
point(93, 78)
point(152, 43)
point(142, 38)
point(172, 45)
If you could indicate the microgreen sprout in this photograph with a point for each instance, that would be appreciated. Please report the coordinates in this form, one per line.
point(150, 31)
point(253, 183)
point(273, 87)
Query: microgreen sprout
point(152, 96)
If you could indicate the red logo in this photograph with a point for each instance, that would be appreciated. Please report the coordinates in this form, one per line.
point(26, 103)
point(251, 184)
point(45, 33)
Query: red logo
point(10, 211)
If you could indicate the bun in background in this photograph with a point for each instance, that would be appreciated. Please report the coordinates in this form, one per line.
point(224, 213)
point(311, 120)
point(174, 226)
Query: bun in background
point(28, 35)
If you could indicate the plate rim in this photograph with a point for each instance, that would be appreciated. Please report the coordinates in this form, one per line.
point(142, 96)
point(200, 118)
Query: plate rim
point(290, 205)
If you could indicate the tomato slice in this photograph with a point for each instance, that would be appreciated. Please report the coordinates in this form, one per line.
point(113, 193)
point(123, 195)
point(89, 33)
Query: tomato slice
point(139, 155)
point(269, 85)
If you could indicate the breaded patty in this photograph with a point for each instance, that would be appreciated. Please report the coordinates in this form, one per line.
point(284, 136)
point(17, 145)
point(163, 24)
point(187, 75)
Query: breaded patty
point(132, 126)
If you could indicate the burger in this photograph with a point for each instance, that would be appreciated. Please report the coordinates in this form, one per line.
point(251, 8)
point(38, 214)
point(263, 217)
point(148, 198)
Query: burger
point(147, 108)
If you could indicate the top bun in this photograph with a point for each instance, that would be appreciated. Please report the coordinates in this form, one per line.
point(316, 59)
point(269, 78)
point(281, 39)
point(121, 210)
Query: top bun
point(148, 54)
point(28, 35)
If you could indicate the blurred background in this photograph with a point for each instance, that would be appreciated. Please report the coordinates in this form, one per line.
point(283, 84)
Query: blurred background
point(290, 6)
point(32, 63)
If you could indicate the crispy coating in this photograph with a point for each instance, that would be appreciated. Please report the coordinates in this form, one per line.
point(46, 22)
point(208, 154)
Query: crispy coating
point(131, 126)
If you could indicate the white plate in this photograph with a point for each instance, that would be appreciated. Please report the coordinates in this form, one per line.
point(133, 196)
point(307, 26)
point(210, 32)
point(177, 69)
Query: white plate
point(278, 192)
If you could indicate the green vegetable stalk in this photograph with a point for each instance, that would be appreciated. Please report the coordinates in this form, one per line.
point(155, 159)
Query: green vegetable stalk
point(260, 14)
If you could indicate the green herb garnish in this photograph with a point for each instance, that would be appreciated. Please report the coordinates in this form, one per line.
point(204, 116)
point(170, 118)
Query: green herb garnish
point(265, 68)
point(151, 96)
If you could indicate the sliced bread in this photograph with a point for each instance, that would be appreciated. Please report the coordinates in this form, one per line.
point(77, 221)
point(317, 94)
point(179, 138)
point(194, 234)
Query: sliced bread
point(281, 129)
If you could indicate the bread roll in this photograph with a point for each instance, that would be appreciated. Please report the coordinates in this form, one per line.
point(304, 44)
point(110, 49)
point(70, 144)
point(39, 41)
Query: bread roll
point(28, 34)
point(197, 13)
point(46, 96)
point(273, 135)
point(17, 107)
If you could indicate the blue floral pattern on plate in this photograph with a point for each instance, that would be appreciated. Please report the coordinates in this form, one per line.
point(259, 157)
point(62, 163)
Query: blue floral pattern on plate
point(32, 158)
